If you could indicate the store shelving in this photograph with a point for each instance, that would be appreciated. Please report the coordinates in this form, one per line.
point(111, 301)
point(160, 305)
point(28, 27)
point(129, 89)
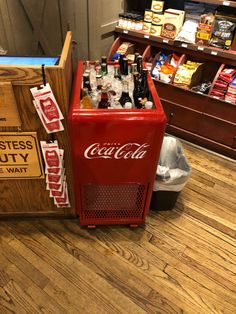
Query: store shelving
point(217, 2)
point(152, 40)
point(199, 118)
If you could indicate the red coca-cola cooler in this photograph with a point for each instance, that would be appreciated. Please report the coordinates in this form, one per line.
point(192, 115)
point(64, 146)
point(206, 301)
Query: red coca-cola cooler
point(114, 157)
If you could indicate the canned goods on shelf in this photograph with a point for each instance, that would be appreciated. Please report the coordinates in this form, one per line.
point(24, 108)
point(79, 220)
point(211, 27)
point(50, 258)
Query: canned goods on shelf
point(157, 6)
point(148, 16)
point(157, 18)
point(147, 27)
point(155, 30)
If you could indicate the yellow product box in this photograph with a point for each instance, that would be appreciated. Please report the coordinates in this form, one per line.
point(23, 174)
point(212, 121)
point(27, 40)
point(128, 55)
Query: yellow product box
point(173, 21)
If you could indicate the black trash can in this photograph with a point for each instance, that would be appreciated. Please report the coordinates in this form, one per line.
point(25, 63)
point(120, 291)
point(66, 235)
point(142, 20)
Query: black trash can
point(173, 171)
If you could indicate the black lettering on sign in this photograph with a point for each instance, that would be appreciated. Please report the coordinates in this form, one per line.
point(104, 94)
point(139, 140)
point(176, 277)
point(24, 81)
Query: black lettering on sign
point(24, 157)
point(17, 170)
point(29, 144)
point(15, 145)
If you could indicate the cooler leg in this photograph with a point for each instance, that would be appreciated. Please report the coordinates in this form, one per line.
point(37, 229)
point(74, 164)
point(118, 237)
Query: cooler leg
point(133, 226)
point(91, 226)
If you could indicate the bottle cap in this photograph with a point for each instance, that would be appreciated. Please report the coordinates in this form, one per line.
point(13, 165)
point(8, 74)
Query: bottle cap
point(128, 105)
point(148, 105)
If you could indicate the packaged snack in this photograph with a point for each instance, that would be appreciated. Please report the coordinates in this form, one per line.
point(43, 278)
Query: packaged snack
point(165, 67)
point(223, 32)
point(225, 86)
point(47, 103)
point(125, 48)
point(188, 74)
point(205, 29)
point(188, 32)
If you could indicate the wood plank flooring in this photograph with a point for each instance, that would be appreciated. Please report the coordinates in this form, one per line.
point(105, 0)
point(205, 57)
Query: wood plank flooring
point(181, 261)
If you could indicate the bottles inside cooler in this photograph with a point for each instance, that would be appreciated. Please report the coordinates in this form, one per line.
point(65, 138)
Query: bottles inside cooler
point(124, 98)
point(115, 86)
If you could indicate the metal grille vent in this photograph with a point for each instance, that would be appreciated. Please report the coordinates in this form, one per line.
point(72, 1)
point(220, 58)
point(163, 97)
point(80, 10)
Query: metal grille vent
point(113, 201)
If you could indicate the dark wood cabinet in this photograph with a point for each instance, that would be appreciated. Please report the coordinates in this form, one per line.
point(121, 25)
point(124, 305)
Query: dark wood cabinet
point(199, 118)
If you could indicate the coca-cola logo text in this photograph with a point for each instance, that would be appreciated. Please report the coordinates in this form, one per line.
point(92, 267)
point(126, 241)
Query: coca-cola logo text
point(116, 151)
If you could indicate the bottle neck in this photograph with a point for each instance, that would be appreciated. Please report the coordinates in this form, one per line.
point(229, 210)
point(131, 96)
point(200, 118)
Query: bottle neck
point(125, 88)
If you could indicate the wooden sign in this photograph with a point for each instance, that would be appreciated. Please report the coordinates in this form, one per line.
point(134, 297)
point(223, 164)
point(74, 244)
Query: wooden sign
point(9, 115)
point(20, 156)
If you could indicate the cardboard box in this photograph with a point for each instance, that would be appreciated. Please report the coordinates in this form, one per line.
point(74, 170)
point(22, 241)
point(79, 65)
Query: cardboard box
point(173, 21)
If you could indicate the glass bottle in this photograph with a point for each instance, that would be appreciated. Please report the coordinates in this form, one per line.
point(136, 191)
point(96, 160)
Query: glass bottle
point(121, 63)
point(125, 66)
point(133, 68)
point(99, 81)
point(144, 83)
point(139, 64)
point(104, 69)
point(86, 102)
point(136, 57)
point(138, 92)
point(117, 72)
point(86, 82)
point(125, 94)
point(97, 67)
point(104, 102)
point(120, 22)
point(104, 59)
point(87, 66)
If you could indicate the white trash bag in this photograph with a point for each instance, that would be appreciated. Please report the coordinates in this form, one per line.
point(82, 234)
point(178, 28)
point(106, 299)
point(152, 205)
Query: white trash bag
point(173, 168)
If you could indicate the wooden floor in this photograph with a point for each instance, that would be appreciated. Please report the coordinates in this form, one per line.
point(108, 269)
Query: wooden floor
point(181, 261)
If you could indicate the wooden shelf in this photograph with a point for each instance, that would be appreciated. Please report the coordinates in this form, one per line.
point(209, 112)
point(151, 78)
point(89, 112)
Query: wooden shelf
point(217, 2)
point(152, 40)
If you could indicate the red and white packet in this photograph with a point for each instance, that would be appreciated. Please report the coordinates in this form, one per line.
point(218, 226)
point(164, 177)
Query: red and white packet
point(63, 200)
point(55, 173)
point(50, 127)
point(52, 154)
point(47, 103)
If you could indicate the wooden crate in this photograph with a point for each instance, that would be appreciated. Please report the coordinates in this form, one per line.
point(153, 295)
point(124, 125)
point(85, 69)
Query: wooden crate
point(20, 197)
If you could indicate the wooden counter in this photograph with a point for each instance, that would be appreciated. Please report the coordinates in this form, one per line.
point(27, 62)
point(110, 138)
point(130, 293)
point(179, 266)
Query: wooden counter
point(20, 197)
